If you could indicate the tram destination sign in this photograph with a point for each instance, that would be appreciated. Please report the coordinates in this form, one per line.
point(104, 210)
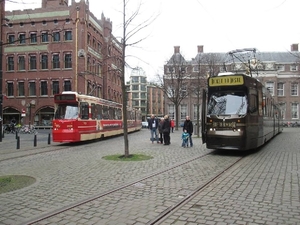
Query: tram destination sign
point(226, 81)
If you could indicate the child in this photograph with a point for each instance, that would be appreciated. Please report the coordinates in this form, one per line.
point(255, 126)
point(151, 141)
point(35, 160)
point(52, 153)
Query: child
point(185, 137)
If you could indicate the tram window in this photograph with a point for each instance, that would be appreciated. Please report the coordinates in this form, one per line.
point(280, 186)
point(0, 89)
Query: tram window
point(119, 114)
point(94, 110)
point(105, 112)
point(84, 110)
point(71, 112)
point(111, 113)
point(253, 104)
point(60, 112)
point(99, 111)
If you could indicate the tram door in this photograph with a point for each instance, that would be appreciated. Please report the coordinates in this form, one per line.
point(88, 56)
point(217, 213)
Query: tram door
point(203, 116)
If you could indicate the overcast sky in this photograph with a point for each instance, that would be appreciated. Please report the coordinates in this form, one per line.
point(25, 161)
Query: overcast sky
point(218, 25)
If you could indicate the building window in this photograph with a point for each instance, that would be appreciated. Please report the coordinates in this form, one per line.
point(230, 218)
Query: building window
point(67, 85)
point(10, 63)
point(32, 88)
point(10, 89)
point(33, 38)
point(56, 36)
point(171, 109)
point(55, 87)
point(55, 62)
point(135, 87)
point(45, 37)
point(55, 21)
point(68, 35)
point(88, 39)
point(280, 67)
point(295, 111)
point(21, 62)
point(135, 79)
point(280, 90)
point(68, 60)
point(183, 112)
point(21, 88)
point(99, 92)
point(11, 39)
point(270, 87)
point(44, 88)
point(294, 89)
point(293, 67)
point(195, 112)
point(135, 95)
point(44, 62)
point(32, 62)
point(196, 68)
point(183, 91)
point(22, 38)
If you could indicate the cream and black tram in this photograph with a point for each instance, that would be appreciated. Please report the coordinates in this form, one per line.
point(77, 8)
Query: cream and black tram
point(239, 114)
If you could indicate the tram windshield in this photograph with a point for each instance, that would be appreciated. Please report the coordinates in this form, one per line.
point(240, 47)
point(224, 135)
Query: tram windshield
point(227, 103)
point(65, 111)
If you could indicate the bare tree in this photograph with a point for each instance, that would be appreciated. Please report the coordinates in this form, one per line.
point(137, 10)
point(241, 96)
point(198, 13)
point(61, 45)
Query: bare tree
point(174, 82)
point(129, 32)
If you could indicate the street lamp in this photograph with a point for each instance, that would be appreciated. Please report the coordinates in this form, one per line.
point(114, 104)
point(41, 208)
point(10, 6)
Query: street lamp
point(29, 106)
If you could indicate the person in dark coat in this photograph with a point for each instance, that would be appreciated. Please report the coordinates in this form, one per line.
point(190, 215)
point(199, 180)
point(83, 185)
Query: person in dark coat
point(160, 124)
point(153, 125)
point(188, 126)
point(166, 128)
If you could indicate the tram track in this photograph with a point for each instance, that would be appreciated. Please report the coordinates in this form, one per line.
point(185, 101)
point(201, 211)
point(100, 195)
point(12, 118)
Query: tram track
point(159, 219)
point(162, 215)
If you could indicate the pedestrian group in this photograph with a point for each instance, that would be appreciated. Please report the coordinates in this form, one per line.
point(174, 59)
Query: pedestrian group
point(160, 130)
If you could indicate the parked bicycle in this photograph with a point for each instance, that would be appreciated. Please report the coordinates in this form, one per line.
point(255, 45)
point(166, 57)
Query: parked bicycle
point(9, 128)
point(27, 130)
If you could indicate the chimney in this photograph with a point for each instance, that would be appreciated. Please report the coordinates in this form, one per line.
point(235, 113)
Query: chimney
point(294, 47)
point(176, 49)
point(200, 48)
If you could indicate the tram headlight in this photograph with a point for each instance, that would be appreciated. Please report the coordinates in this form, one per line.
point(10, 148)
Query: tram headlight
point(237, 130)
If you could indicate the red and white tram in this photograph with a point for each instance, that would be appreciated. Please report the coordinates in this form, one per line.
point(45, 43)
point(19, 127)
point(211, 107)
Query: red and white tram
point(81, 117)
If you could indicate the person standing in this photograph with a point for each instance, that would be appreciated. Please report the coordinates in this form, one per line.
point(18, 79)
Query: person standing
point(152, 125)
point(166, 127)
point(172, 125)
point(160, 124)
point(185, 138)
point(188, 126)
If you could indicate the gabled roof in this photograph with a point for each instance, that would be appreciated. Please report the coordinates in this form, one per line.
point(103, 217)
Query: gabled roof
point(278, 57)
point(177, 58)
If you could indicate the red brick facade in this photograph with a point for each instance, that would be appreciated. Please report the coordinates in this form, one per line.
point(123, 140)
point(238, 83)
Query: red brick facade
point(57, 48)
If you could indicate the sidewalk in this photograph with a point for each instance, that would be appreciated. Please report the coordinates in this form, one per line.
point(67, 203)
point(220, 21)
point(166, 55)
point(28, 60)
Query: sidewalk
point(27, 142)
point(262, 189)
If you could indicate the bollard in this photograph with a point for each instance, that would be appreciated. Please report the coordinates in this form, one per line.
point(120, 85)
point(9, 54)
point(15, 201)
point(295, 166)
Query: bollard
point(3, 134)
point(49, 137)
point(17, 135)
point(34, 141)
point(18, 142)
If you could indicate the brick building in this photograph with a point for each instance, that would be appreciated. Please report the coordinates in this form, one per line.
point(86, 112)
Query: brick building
point(278, 71)
point(58, 47)
point(155, 103)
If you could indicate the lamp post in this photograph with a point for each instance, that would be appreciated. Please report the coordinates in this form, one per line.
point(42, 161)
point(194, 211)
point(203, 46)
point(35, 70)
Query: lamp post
point(29, 107)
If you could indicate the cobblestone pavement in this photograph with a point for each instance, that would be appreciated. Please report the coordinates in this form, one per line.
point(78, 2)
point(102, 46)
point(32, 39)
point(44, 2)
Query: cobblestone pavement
point(262, 189)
